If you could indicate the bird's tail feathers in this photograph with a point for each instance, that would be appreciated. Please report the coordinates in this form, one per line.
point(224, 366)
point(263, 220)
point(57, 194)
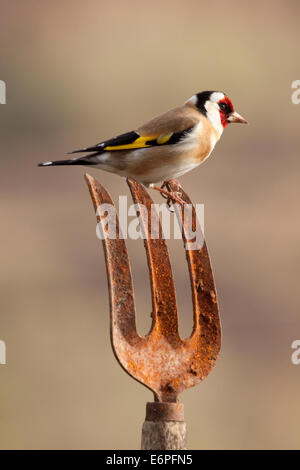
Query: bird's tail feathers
point(73, 161)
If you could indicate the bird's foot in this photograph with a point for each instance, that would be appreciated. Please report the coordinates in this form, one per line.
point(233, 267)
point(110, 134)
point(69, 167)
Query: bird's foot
point(169, 194)
point(175, 183)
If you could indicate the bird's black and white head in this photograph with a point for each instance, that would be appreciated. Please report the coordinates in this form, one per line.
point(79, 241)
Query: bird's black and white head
point(217, 108)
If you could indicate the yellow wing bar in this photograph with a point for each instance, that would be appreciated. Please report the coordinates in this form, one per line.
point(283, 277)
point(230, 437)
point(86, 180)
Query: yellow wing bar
point(142, 142)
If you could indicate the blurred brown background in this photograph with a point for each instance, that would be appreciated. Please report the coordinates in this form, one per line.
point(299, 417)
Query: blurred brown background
point(78, 72)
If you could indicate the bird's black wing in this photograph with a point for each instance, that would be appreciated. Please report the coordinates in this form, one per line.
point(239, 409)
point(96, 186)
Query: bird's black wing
point(132, 140)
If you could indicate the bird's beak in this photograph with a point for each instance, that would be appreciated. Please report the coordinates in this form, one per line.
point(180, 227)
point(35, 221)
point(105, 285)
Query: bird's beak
point(236, 117)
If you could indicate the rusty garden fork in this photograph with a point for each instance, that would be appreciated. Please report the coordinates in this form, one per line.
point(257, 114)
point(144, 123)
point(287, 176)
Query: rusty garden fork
point(160, 360)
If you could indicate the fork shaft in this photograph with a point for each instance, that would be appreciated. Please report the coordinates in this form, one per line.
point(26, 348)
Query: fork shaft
point(164, 427)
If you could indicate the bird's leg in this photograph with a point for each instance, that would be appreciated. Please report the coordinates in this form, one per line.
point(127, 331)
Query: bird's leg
point(170, 195)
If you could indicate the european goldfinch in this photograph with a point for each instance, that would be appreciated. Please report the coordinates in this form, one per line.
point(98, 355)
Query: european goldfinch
point(167, 146)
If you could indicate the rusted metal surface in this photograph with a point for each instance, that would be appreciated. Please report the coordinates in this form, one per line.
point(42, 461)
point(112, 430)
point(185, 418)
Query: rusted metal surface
point(158, 411)
point(160, 360)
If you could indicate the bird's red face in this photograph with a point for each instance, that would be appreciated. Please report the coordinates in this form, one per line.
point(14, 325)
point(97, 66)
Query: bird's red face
point(225, 109)
point(227, 113)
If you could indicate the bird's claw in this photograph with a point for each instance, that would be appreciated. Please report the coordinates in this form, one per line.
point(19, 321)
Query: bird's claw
point(172, 197)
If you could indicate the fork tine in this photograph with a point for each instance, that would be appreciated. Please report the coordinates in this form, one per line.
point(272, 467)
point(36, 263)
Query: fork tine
point(122, 325)
point(205, 304)
point(165, 316)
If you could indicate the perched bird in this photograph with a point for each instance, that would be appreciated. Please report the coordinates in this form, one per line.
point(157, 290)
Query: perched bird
point(167, 146)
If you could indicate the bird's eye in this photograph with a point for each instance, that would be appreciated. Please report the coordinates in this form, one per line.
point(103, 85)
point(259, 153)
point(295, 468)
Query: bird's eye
point(223, 106)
